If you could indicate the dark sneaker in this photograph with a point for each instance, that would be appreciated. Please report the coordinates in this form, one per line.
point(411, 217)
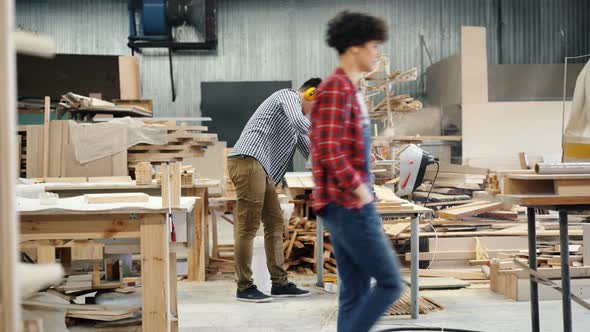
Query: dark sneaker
point(289, 290)
point(252, 294)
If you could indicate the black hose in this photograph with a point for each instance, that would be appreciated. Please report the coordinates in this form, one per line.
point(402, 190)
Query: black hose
point(416, 328)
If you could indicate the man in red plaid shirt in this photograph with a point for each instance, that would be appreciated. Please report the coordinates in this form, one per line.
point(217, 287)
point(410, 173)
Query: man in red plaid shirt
point(341, 149)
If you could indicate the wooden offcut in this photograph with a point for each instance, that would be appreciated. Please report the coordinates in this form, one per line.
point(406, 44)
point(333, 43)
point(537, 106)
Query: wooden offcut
point(171, 184)
point(469, 210)
point(116, 198)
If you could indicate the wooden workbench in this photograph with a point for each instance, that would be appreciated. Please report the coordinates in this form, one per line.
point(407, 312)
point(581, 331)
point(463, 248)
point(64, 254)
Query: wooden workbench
point(73, 219)
point(198, 254)
point(559, 192)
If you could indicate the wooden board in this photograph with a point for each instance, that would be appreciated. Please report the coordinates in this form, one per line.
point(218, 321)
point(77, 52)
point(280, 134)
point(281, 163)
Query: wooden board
point(440, 283)
point(586, 239)
point(572, 187)
point(474, 65)
point(46, 137)
point(468, 210)
point(110, 179)
point(116, 198)
point(486, 125)
point(459, 274)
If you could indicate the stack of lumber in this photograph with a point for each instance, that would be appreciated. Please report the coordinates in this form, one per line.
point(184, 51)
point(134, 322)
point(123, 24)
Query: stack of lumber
point(403, 306)
point(454, 183)
point(300, 249)
point(183, 142)
point(85, 108)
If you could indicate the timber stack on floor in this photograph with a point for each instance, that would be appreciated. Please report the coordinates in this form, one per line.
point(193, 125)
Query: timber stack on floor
point(183, 142)
point(92, 278)
point(300, 250)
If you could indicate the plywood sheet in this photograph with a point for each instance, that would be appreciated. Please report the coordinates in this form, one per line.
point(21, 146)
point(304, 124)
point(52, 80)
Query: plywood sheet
point(474, 65)
point(494, 133)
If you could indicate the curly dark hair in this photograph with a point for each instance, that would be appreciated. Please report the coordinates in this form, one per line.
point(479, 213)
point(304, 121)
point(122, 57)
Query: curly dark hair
point(349, 29)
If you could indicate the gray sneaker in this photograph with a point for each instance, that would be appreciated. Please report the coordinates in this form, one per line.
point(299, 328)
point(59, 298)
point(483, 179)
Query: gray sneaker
point(252, 294)
point(289, 290)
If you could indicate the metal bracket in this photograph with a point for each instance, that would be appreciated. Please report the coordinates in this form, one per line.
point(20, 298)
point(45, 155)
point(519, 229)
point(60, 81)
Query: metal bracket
point(133, 216)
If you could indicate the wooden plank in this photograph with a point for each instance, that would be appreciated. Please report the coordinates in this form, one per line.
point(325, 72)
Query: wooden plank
point(94, 179)
point(173, 292)
point(196, 255)
point(501, 214)
point(95, 275)
point(290, 247)
point(55, 148)
point(464, 275)
point(474, 65)
point(118, 198)
point(77, 227)
point(468, 211)
point(155, 274)
point(91, 251)
point(578, 187)
point(46, 254)
point(586, 245)
point(171, 184)
point(396, 229)
point(456, 255)
point(544, 200)
point(10, 313)
point(34, 151)
point(46, 136)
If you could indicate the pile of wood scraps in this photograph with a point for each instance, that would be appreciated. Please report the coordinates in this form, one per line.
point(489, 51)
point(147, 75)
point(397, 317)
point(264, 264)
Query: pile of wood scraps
point(183, 142)
point(84, 108)
point(300, 248)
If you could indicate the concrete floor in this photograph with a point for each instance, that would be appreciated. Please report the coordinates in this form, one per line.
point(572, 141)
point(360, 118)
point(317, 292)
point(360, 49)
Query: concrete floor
point(211, 306)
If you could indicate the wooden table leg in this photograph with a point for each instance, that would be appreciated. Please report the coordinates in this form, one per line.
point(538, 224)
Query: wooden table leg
point(173, 293)
point(155, 275)
point(196, 254)
point(206, 216)
point(214, 234)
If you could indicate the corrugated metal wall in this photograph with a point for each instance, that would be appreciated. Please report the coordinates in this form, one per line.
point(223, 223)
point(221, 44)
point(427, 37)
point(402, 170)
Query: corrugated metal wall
point(283, 39)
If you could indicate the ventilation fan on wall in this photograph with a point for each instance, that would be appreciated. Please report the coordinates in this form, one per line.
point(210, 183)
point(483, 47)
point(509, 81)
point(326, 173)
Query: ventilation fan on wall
point(173, 24)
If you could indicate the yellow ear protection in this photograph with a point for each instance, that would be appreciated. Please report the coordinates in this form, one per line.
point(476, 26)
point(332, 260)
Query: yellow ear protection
point(309, 94)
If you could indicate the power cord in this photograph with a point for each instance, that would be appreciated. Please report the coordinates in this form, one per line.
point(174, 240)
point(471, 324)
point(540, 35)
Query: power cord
point(433, 182)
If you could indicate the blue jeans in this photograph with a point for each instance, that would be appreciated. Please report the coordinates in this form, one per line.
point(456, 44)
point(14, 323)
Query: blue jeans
point(362, 251)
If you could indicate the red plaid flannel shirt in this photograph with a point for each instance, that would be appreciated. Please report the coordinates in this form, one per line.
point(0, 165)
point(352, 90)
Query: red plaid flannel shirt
point(337, 145)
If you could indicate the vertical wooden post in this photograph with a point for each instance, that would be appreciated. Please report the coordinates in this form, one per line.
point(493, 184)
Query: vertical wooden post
point(172, 182)
point(46, 137)
point(173, 293)
point(196, 255)
point(155, 275)
point(9, 289)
